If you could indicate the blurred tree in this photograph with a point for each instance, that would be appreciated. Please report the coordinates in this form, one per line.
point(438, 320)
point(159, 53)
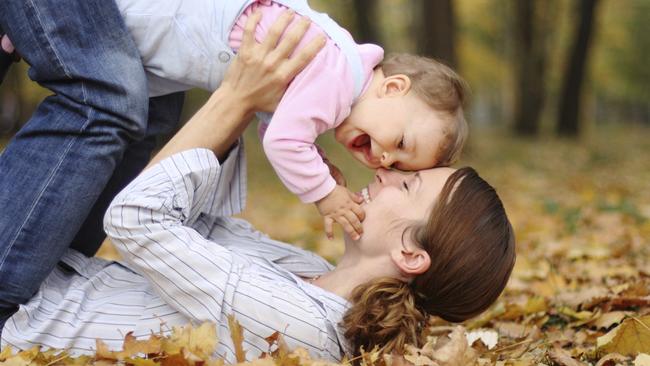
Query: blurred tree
point(367, 17)
point(531, 44)
point(435, 30)
point(576, 65)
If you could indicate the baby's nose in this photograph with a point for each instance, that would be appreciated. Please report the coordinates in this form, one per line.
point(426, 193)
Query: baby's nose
point(386, 160)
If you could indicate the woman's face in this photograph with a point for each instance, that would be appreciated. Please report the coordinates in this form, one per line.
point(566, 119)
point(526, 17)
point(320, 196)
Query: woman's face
point(394, 201)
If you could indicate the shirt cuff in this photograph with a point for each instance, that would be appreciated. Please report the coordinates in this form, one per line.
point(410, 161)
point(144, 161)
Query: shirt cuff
point(319, 192)
point(203, 185)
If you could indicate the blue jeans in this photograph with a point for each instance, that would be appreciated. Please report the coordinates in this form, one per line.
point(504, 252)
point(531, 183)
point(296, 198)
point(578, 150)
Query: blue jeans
point(81, 145)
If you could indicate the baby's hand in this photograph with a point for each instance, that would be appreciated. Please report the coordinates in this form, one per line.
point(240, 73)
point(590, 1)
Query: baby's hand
point(342, 206)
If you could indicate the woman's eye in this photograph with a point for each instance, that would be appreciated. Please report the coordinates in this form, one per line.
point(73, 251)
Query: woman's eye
point(406, 186)
point(400, 145)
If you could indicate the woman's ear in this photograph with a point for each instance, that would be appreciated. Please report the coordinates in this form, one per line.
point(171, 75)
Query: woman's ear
point(396, 85)
point(411, 260)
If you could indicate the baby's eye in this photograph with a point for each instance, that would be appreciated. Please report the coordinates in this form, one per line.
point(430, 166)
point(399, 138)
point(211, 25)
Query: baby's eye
point(400, 145)
point(406, 186)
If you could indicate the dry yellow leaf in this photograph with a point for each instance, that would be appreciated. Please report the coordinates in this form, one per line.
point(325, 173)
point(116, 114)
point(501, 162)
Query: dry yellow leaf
point(132, 346)
point(6, 353)
point(237, 335)
point(608, 319)
point(457, 351)
point(563, 358)
point(630, 338)
point(200, 342)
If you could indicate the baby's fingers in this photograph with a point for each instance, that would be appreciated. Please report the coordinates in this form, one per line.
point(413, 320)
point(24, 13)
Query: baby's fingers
point(351, 224)
point(328, 223)
point(356, 197)
point(361, 214)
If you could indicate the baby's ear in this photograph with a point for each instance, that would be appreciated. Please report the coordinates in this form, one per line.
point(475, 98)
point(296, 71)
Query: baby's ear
point(396, 85)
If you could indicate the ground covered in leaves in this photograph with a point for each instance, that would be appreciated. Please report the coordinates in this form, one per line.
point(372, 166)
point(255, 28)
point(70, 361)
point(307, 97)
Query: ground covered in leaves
point(580, 291)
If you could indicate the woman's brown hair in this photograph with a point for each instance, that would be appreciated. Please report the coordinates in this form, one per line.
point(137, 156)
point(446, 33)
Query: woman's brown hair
point(472, 249)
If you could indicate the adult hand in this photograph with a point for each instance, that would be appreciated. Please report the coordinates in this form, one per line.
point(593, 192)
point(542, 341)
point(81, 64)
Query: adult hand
point(261, 72)
point(255, 81)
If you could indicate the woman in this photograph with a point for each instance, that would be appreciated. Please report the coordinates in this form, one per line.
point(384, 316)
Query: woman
point(435, 242)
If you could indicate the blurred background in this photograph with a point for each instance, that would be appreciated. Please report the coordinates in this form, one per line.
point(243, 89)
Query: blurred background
point(559, 113)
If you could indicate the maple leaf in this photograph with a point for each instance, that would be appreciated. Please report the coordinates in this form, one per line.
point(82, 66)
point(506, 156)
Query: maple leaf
point(192, 343)
point(629, 338)
point(22, 358)
point(132, 346)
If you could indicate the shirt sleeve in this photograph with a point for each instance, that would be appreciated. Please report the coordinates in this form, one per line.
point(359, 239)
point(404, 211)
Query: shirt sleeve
point(148, 223)
point(205, 281)
point(317, 100)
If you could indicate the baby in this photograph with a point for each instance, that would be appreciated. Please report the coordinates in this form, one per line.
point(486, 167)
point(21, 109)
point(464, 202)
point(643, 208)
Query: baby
point(402, 112)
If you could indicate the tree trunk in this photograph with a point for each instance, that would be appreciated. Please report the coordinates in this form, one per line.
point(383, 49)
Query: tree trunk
point(435, 33)
point(531, 25)
point(366, 15)
point(570, 96)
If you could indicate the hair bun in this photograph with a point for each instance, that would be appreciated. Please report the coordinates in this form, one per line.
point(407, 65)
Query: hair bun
point(384, 315)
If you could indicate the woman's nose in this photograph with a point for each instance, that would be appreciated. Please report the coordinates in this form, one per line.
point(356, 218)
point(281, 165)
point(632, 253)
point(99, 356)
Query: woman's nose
point(387, 177)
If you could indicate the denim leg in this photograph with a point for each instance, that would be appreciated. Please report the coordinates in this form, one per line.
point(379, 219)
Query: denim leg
point(55, 168)
point(164, 113)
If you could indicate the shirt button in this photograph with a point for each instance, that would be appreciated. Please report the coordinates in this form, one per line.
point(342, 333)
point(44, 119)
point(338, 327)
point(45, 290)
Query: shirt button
point(224, 56)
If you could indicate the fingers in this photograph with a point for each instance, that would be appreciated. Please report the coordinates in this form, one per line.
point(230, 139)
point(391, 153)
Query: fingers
point(276, 30)
point(291, 39)
point(298, 62)
point(359, 213)
point(356, 198)
point(329, 223)
point(350, 224)
point(248, 39)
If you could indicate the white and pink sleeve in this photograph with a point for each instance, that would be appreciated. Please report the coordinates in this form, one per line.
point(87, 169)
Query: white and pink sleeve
point(317, 100)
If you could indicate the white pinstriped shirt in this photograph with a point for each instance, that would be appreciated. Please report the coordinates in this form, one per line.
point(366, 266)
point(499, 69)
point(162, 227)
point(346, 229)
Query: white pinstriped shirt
point(185, 260)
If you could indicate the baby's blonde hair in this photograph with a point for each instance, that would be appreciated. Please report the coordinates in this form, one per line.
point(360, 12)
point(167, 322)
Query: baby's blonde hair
point(443, 90)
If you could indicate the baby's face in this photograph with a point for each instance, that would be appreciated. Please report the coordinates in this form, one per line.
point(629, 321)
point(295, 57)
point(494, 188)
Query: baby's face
point(398, 132)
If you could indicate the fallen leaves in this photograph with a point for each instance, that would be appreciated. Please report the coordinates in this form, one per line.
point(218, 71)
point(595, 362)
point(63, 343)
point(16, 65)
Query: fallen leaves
point(185, 346)
point(450, 350)
point(630, 338)
point(237, 335)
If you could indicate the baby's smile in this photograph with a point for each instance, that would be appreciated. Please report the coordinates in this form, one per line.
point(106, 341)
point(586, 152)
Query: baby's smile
point(363, 144)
